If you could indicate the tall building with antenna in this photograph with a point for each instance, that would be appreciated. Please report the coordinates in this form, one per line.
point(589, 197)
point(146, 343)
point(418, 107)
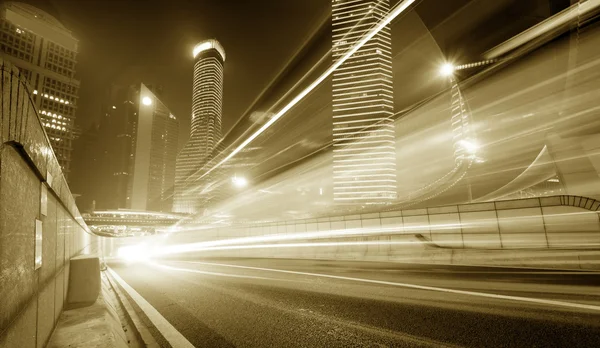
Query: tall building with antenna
point(194, 190)
point(364, 153)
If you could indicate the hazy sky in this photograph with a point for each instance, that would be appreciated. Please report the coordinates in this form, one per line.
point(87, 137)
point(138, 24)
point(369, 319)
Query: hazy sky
point(151, 41)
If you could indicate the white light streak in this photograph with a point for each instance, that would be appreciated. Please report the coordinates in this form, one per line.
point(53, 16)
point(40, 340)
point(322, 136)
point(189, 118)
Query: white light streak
point(577, 10)
point(401, 7)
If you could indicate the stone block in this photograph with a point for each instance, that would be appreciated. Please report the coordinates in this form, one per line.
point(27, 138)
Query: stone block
point(414, 212)
point(518, 203)
point(479, 222)
point(446, 229)
point(527, 220)
point(416, 224)
point(84, 281)
point(374, 224)
point(353, 224)
point(574, 239)
point(369, 216)
point(476, 207)
point(392, 224)
point(570, 219)
point(443, 210)
point(550, 201)
point(523, 240)
point(482, 240)
point(391, 213)
point(338, 225)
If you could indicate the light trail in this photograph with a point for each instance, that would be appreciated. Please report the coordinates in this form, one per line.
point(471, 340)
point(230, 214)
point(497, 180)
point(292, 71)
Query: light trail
point(401, 7)
point(268, 239)
point(306, 245)
point(570, 14)
point(538, 301)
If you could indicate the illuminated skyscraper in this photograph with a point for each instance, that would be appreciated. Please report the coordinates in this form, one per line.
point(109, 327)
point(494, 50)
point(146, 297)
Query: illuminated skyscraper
point(45, 53)
point(364, 158)
point(191, 191)
point(155, 147)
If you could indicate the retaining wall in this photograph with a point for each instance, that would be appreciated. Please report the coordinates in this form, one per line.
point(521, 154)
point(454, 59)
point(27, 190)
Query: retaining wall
point(33, 192)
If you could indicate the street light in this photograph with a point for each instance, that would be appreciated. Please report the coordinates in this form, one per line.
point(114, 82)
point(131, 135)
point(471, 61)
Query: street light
point(447, 69)
point(147, 101)
point(239, 181)
point(469, 146)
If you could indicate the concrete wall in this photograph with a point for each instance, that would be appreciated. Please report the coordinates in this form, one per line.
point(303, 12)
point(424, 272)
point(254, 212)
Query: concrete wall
point(32, 188)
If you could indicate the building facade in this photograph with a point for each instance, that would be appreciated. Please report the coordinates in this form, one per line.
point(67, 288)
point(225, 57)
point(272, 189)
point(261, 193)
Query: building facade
point(46, 54)
point(154, 149)
point(364, 154)
point(193, 187)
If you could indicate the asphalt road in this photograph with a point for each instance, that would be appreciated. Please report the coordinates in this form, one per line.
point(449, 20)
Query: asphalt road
point(306, 303)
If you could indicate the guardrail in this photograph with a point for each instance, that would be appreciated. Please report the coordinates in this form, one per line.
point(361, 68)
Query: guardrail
point(546, 222)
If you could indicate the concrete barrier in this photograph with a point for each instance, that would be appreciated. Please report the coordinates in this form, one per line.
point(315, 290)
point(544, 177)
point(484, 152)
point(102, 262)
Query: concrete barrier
point(84, 281)
point(40, 226)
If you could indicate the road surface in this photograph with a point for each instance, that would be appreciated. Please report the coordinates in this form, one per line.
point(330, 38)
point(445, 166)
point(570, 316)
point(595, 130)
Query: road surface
point(309, 303)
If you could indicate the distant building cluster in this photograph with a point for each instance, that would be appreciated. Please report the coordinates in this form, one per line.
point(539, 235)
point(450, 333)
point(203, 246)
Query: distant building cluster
point(46, 54)
point(131, 152)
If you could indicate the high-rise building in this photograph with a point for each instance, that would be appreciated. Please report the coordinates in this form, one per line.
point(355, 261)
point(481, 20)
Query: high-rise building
point(154, 153)
point(191, 191)
point(45, 52)
point(364, 157)
point(122, 109)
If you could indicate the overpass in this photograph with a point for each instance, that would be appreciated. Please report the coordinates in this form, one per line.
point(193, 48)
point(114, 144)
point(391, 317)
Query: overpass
point(124, 222)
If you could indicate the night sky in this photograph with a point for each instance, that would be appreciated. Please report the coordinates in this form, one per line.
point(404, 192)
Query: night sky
point(151, 41)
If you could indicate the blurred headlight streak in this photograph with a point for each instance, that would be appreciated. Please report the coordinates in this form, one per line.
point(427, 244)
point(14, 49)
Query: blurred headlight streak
point(555, 22)
point(191, 247)
point(239, 181)
point(136, 253)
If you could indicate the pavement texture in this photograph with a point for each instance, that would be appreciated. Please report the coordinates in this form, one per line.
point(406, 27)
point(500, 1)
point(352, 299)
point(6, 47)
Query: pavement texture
point(309, 303)
point(94, 326)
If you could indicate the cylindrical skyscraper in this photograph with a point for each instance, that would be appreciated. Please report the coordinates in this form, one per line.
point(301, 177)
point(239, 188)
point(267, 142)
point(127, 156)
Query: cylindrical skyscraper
point(191, 193)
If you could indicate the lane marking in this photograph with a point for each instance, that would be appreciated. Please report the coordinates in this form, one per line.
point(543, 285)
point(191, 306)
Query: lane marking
point(419, 287)
point(170, 333)
point(189, 270)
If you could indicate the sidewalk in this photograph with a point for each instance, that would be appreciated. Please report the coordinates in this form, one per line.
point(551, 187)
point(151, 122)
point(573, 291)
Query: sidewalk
point(95, 326)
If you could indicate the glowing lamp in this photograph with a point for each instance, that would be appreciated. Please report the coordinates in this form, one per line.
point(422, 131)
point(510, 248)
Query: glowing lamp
point(447, 70)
